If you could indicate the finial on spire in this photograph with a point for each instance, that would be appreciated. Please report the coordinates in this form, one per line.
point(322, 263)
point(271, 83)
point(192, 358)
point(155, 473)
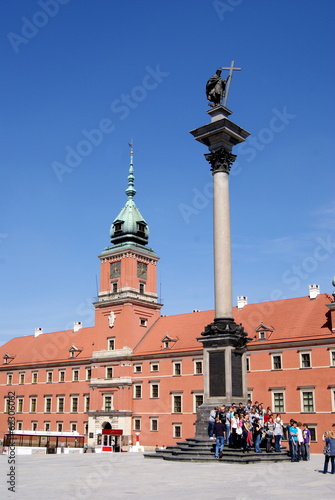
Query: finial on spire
point(131, 191)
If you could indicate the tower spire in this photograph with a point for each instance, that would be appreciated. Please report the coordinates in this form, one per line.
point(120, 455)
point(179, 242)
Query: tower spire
point(129, 225)
point(131, 191)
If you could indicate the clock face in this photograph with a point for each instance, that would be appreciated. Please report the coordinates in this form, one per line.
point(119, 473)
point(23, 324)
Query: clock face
point(115, 269)
point(142, 270)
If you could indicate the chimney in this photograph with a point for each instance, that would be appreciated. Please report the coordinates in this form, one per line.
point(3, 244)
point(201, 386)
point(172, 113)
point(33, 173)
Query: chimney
point(38, 331)
point(77, 325)
point(314, 291)
point(241, 301)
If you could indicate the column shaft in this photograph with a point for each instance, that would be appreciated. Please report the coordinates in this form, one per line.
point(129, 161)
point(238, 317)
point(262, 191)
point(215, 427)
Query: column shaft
point(222, 246)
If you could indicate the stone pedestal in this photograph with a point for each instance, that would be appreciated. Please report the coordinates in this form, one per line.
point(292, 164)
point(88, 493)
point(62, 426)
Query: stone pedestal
point(223, 340)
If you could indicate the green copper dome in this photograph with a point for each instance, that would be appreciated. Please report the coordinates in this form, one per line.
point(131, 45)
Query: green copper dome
point(129, 225)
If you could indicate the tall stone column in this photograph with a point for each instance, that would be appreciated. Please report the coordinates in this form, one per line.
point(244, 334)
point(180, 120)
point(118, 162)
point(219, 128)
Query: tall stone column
point(224, 341)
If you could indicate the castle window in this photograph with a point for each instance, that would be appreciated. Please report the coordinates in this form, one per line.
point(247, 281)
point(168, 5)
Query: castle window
point(49, 377)
point(154, 390)
point(176, 368)
point(73, 426)
point(137, 368)
point(111, 344)
point(62, 376)
point(33, 404)
point(74, 404)
point(9, 378)
point(20, 405)
point(21, 378)
point(75, 375)
point(177, 430)
point(34, 378)
point(142, 288)
point(276, 362)
point(198, 400)
point(153, 424)
point(88, 373)
point(87, 403)
point(60, 408)
point(47, 405)
point(305, 360)
point(114, 287)
point(47, 426)
point(154, 367)
point(137, 391)
point(143, 322)
point(261, 335)
point(176, 399)
point(278, 402)
point(60, 426)
point(198, 367)
point(34, 426)
point(307, 401)
point(137, 424)
point(109, 372)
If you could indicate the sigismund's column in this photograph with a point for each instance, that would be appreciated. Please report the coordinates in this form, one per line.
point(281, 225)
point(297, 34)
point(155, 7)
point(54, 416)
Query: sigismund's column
point(224, 341)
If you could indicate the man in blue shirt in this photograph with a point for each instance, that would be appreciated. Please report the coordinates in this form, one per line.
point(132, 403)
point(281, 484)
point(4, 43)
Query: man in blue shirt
point(293, 436)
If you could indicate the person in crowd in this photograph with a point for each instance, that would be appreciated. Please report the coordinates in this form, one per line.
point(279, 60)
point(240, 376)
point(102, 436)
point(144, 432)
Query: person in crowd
point(246, 432)
point(293, 437)
point(269, 428)
point(253, 414)
point(300, 441)
point(211, 421)
point(240, 409)
point(248, 406)
point(219, 436)
point(307, 442)
point(278, 432)
point(268, 414)
point(329, 438)
point(228, 441)
point(256, 434)
point(235, 431)
point(287, 436)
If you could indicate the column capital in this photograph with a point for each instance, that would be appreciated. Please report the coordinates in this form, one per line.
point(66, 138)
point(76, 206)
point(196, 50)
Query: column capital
point(220, 160)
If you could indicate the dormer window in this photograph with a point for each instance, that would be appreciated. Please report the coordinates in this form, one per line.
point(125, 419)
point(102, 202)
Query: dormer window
point(140, 227)
point(74, 351)
point(7, 358)
point(168, 341)
point(261, 335)
point(117, 226)
point(263, 332)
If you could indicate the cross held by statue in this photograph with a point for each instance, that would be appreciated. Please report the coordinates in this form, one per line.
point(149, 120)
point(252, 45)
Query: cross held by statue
point(231, 68)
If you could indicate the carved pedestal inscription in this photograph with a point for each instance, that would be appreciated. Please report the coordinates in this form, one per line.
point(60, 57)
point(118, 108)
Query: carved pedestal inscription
point(236, 373)
point(217, 377)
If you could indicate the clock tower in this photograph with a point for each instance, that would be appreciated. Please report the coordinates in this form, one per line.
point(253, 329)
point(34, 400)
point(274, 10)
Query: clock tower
point(128, 275)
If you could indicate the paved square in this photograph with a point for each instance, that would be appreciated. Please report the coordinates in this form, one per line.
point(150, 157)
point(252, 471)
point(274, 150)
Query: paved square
point(127, 475)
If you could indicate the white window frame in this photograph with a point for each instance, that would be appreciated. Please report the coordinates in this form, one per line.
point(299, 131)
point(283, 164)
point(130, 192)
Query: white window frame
point(301, 353)
point(9, 378)
point(177, 394)
point(49, 375)
point(278, 355)
point(195, 400)
point(75, 378)
point(46, 399)
point(247, 364)
point(278, 391)
point(135, 427)
point(332, 395)
point(19, 400)
point(60, 376)
point(144, 322)
point(134, 392)
point(47, 424)
point(58, 404)
point(154, 419)
point(19, 425)
point(174, 427)
point(34, 425)
point(302, 391)
point(138, 368)
point(60, 426)
point(31, 404)
point(72, 403)
point(332, 357)
point(111, 344)
point(109, 397)
point(180, 368)
point(152, 384)
point(74, 426)
point(88, 373)
point(21, 378)
point(196, 361)
point(109, 368)
point(34, 377)
point(152, 367)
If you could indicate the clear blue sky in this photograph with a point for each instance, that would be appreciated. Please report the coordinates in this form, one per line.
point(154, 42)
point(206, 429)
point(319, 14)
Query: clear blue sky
point(67, 67)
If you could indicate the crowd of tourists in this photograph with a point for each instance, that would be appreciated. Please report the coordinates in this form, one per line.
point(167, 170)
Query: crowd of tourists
point(251, 426)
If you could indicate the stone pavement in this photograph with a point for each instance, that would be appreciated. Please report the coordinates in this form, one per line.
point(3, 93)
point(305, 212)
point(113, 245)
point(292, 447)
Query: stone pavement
point(130, 476)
